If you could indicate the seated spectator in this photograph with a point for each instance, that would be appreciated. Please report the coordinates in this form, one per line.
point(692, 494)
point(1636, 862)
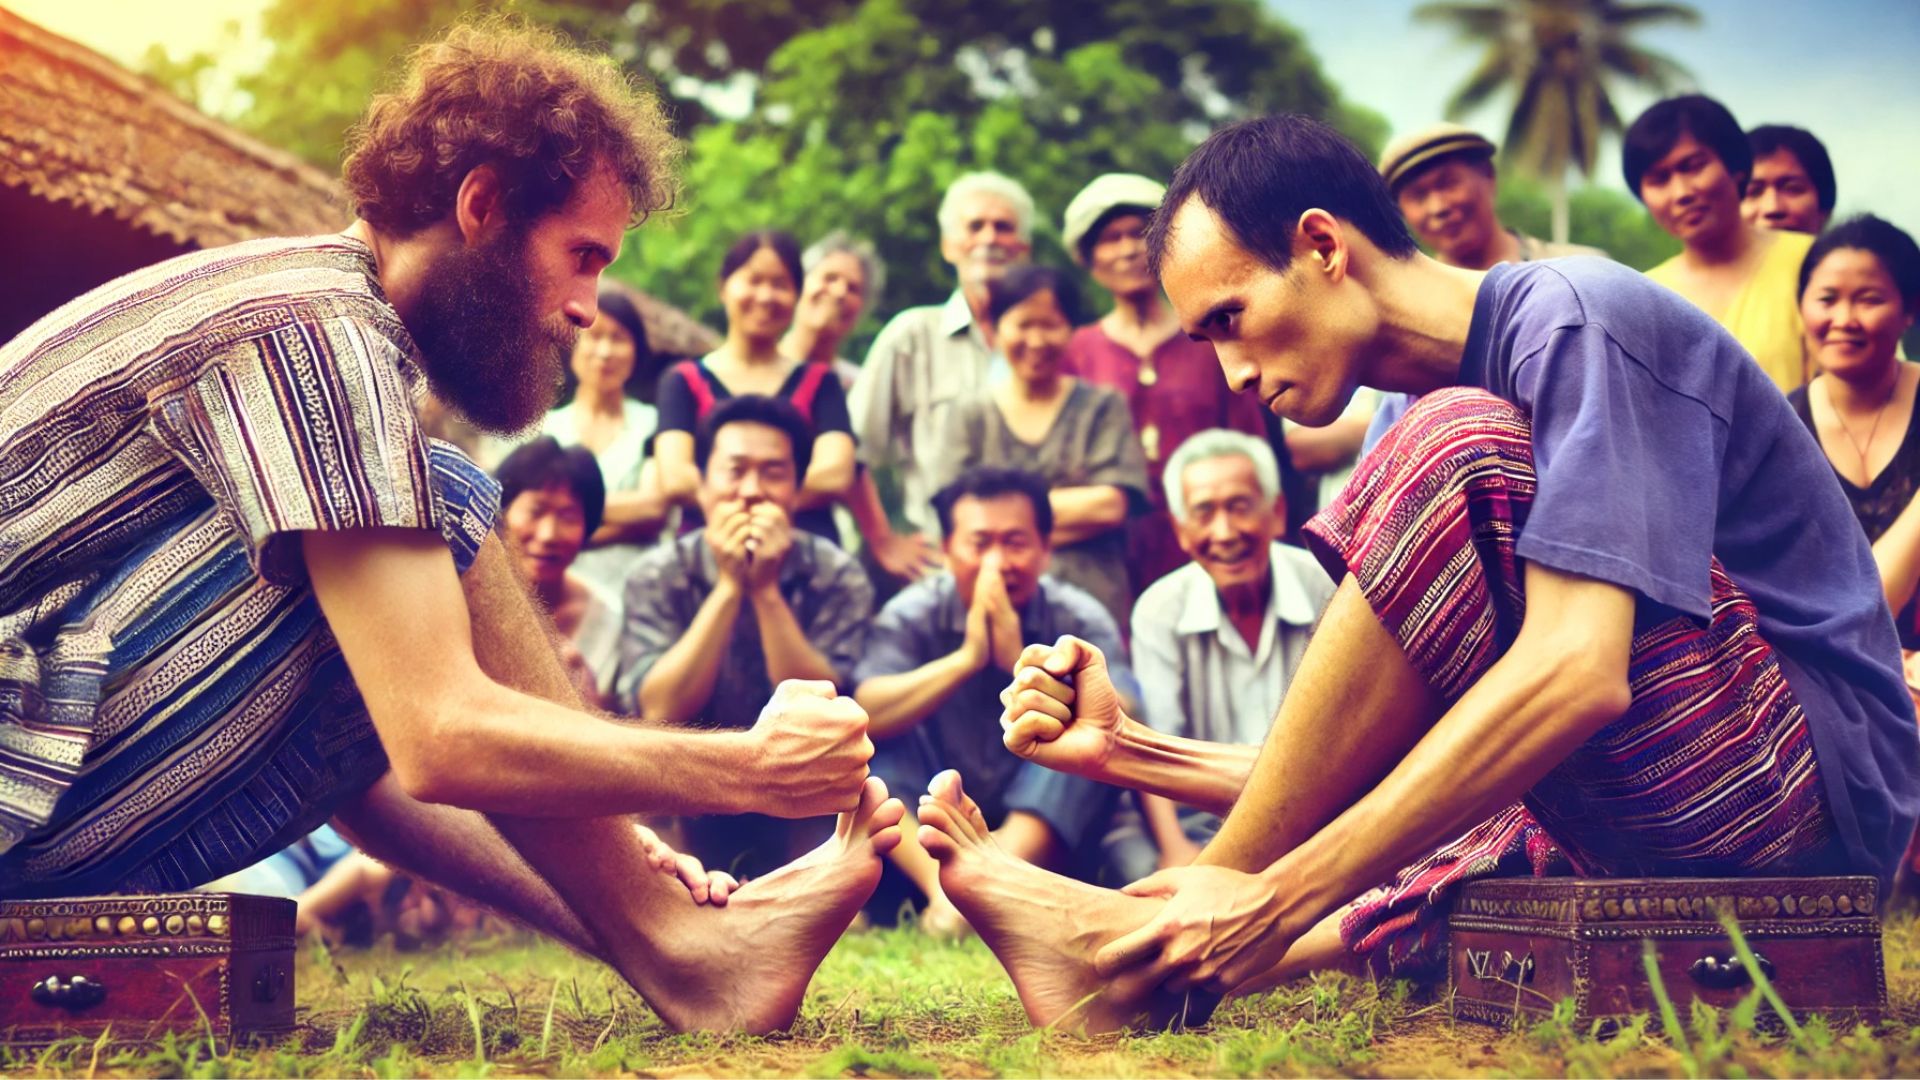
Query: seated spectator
point(1076, 436)
point(552, 499)
point(942, 650)
point(1688, 161)
point(719, 617)
point(1859, 292)
point(759, 287)
point(1216, 642)
point(1172, 383)
point(1791, 187)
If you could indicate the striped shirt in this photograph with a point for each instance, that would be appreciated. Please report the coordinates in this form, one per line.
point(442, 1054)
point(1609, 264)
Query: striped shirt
point(172, 706)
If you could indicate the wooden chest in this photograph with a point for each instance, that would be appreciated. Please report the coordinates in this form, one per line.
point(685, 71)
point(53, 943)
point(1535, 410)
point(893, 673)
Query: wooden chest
point(1518, 946)
point(216, 964)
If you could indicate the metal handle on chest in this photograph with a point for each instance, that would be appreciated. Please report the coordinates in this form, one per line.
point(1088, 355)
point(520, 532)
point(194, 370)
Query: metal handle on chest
point(1515, 971)
point(72, 994)
point(1726, 972)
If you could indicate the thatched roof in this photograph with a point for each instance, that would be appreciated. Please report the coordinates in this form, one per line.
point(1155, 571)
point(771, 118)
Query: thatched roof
point(78, 129)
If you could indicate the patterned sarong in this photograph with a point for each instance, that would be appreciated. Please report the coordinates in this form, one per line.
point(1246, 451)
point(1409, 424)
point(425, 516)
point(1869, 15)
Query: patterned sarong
point(1710, 772)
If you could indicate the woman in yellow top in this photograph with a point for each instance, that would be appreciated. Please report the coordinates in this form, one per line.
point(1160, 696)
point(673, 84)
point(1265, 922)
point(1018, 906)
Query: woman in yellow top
point(1688, 159)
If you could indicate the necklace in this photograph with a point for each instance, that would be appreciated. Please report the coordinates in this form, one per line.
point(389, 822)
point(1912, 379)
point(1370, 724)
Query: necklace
point(1860, 450)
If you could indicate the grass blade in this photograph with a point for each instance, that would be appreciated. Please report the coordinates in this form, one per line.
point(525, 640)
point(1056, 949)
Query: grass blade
point(1669, 1017)
point(1760, 980)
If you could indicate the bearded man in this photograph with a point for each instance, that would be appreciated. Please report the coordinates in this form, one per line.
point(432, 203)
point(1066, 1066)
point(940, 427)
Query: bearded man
point(240, 592)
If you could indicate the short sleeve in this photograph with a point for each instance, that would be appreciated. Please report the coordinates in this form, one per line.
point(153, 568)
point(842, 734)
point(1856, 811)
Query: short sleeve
point(674, 401)
point(1113, 451)
point(894, 644)
point(653, 621)
point(872, 407)
point(839, 622)
point(830, 408)
point(1628, 471)
point(310, 427)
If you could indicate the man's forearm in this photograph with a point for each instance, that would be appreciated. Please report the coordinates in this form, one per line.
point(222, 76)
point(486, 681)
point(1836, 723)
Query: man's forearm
point(680, 683)
point(1081, 513)
point(1523, 717)
point(895, 703)
point(1204, 775)
point(789, 654)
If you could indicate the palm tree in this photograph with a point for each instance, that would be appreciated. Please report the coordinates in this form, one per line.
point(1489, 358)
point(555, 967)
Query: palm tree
point(1558, 56)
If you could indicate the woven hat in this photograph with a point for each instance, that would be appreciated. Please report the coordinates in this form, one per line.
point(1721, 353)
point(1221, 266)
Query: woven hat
point(1104, 194)
point(1405, 155)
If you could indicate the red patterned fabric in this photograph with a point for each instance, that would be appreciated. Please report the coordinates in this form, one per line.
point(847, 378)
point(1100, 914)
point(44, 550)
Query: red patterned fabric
point(1710, 772)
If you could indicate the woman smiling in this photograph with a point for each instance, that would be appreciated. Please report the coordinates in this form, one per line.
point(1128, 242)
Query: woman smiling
point(1076, 436)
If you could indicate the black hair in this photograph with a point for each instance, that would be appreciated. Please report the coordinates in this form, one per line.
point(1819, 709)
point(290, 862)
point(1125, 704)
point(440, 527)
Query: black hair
point(1654, 132)
point(1092, 235)
point(1022, 283)
point(778, 241)
point(1810, 152)
point(1885, 240)
point(989, 482)
point(1260, 175)
point(617, 301)
point(756, 409)
point(544, 463)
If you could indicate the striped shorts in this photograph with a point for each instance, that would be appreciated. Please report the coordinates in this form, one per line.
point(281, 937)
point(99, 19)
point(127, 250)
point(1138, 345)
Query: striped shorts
point(1709, 773)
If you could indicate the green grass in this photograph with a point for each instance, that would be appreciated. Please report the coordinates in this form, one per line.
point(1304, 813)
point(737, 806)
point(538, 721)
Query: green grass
point(893, 1003)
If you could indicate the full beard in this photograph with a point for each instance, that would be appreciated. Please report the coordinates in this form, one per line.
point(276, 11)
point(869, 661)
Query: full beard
point(486, 351)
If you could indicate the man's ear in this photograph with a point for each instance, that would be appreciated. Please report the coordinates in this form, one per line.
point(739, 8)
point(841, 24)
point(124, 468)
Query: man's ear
point(479, 207)
point(1321, 239)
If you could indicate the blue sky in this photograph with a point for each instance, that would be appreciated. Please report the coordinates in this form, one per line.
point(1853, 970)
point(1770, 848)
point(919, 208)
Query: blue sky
point(1846, 70)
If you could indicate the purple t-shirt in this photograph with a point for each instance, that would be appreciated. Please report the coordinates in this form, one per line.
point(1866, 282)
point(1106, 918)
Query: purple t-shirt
point(1659, 443)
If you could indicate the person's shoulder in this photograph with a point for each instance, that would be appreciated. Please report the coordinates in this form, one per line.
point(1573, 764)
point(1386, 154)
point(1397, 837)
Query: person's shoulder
point(829, 559)
point(1582, 289)
point(1166, 597)
point(920, 598)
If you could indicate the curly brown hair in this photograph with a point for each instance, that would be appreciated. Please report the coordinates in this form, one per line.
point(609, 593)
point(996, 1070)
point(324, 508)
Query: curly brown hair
point(519, 98)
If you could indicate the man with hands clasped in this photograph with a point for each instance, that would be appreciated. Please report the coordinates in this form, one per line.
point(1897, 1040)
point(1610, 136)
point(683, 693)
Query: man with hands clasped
point(938, 656)
point(718, 618)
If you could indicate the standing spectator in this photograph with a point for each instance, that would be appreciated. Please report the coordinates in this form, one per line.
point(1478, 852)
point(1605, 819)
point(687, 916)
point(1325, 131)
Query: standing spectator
point(1216, 642)
point(551, 500)
point(718, 618)
point(1172, 383)
point(929, 359)
point(1859, 291)
point(941, 652)
point(1792, 185)
point(1688, 161)
point(611, 360)
point(844, 277)
point(1444, 182)
point(1074, 435)
point(759, 287)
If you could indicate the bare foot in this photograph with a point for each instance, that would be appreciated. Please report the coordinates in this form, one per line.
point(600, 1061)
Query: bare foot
point(1044, 928)
point(745, 967)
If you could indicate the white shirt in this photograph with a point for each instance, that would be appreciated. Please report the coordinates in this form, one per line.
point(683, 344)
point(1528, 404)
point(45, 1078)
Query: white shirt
point(1197, 676)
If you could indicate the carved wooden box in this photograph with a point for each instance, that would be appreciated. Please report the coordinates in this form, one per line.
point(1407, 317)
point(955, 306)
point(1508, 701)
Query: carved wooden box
point(217, 964)
point(1520, 945)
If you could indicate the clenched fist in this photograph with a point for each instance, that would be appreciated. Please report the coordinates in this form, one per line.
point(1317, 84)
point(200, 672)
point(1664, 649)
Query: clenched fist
point(810, 752)
point(1062, 710)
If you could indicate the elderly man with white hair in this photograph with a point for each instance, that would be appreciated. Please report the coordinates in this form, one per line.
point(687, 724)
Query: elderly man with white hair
point(1216, 642)
point(929, 359)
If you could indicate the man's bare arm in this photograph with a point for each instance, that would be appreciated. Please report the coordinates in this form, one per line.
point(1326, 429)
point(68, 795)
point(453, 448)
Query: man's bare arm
point(789, 654)
point(454, 735)
point(679, 684)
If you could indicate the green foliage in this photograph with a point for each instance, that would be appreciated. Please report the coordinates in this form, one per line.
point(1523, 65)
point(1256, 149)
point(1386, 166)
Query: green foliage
point(1610, 220)
point(853, 114)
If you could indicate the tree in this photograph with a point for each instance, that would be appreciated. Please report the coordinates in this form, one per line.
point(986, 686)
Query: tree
point(1558, 57)
point(862, 123)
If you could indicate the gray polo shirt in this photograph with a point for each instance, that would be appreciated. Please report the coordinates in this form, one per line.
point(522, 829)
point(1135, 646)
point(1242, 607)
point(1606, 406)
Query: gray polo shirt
point(825, 588)
point(925, 362)
point(1198, 676)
